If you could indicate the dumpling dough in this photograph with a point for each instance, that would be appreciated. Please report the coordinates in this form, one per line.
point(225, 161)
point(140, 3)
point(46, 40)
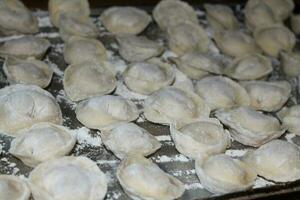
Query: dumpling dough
point(148, 77)
point(142, 179)
point(290, 117)
point(277, 160)
point(127, 138)
point(87, 79)
point(24, 47)
point(249, 67)
point(21, 106)
point(30, 71)
point(221, 92)
point(15, 18)
point(125, 20)
point(137, 48)
point(250, 127)
point(41, 142)
point(169, 13)
point(175, 106)
point(275, 38)
point(200, 139)
point(290, 63)
point(106, 111)
point(281, 8)
point(68, 178)
point(268, 96)
point(186, 37)
point(13, 188)
point(221, 174)
point(295, 23)
point(79, 49)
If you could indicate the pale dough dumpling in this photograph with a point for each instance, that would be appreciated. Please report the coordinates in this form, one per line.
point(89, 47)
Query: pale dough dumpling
point(295, 23)
point(249, 126)
point(277, 160)
point(41, 142)
point(21, 106)
point(68, 178)
point(268, 96)
point(200, 139)
point(125, 20)
point(221, 174)
point(30, 71)
point(281, 8)
point(221, 92)
point(142, 179)
point(13, 188)
point(87, 79)
point(290, 117)
point(148, 77)
point(106, 111)
point(290, 63)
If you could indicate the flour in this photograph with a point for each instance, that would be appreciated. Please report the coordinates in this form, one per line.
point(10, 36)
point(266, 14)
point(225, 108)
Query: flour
point(54, 67)
point(236, 152)
point(44, 22)
point(13, 37)
point(289, 137)
point(163, 138)
point(48, 35)
point(193, 186)
point(84, 138)
point(175, 158)
point(260, 182)
point(61, 97)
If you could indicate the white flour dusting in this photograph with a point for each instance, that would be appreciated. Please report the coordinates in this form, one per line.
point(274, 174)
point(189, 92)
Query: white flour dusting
point(61, 97)
point(54, 67)
point(193, 186)
point(236, 152)
point(44, 22)
point(119, 64)
point(85, 138)
point(289, 137)
point(48, 35)
point(113, 195)
point(107, 162)
point(58, 48)
point(260, 182)
point(163, 138)
point(175, 158)
point(4, 39)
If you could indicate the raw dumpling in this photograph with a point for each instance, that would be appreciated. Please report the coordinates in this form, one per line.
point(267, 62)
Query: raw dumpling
point(21, 106)
point(221, 92)
point(142, 179)
point(137, 48)
point(221, 17)
point(128, 138)
point(68, 178)
point(148, 77)
point(295, 24)
point(290, 63)
point(15, 18)
point(186, 37)
point(174, 106)
point(277, 160)
point(28, 71)
point(87, 79)
point(249, 126)
point(275, 38)
point(125, 20)
point(221, 174)
point(13, 188)
point(24, 47)
point(106, 111)
point(41, 142)
point(290, 117)
point(235, 43)
point(201, 138)
point(268, 96)
point(250, 67)
point(79, 49)
point(169, 13)
point(281, 8)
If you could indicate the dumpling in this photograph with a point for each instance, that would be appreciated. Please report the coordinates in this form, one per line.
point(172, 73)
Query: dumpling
point(142, 179)
point(281, 8)
point(13, 188)
point(197, 65)
point(169, 13)
point(21, 106)
point(125, 20)
point(290, 63)
point(106, 111)
point(201, 138)
point(41, 142)
point(15, 18)
point(221, 174)
point(221, 92)
point(148, 77)
point(68, 178)
point(80, 49)
point(175, 106)
point(277, 160)
point(235, 43)
point(28, 71)
point(274, 38)
point(186, 37)
point(268, 96)
point(290, 117)
point(295, 24)
point(249, 126)
point(221, 17)
point(87, 79)
point(137, 48)
point(127, 138)
point(249, 67)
